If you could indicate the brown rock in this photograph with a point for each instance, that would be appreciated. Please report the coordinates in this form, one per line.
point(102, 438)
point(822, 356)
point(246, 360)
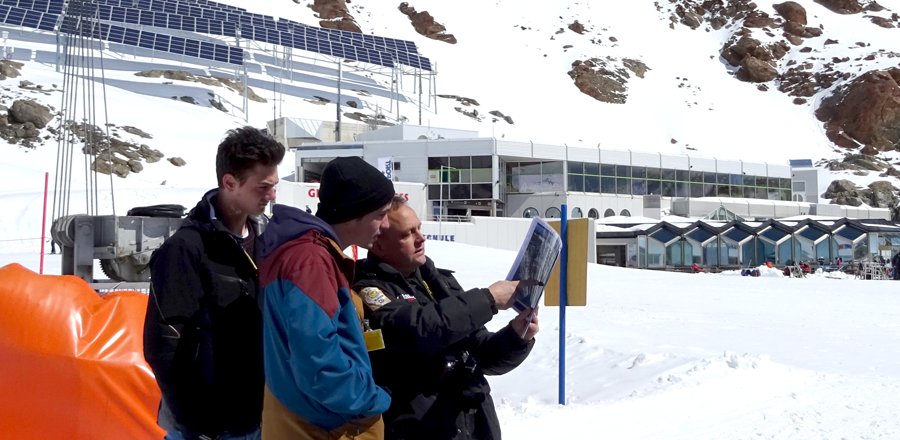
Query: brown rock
point(791, 11)
point(758, 19)
point(841, 6)
point(867, 111)
point(756, 70)
point(25, 111)
point(424, 24)
point(577, 27)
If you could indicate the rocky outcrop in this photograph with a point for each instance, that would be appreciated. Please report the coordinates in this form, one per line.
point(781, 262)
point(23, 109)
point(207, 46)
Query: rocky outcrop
point(180, 75)
point(9, 69)
point(879, 194)
point(27, 111)
point(604, 80)
point(112, 155)
point(424, 24)
point(842, 6)
point(333, 14)
point(865, 112)
point(791, 11)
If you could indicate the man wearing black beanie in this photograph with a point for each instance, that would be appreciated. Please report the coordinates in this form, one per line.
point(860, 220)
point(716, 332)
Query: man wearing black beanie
point(318, 376)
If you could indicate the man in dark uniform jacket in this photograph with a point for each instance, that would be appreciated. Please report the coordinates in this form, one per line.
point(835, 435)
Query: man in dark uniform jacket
point(437, 350)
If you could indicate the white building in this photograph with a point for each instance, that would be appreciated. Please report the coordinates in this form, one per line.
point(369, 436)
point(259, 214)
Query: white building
point(466, 176)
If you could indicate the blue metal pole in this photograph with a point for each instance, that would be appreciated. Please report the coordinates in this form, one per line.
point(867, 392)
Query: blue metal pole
point(563, 300)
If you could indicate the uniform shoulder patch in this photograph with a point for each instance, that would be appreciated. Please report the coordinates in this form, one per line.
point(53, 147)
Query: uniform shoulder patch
point(374, 297)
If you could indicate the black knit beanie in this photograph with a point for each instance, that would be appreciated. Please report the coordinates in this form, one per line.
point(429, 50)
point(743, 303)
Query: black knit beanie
point(351, 188)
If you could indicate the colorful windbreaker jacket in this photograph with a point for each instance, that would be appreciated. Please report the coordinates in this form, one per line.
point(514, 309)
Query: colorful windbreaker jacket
point(316, 362)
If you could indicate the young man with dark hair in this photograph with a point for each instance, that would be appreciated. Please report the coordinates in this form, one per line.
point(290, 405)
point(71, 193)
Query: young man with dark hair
point(203, 329)
point(319, 382)
point(437, 350)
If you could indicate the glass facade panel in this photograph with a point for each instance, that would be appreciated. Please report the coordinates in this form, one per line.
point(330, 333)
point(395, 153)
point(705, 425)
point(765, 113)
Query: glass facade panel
point(592, 183)
point(654, 187)
point(655, 254)
point(434, 163)
point(623, 171)
point(482, 162)
point(576, 182)
point(576, 167)
point(668, 174)
point(654, 173)
point(461, 162)
point(638, 187)
point(722, 179)
point(682, 189)
point(608, 185)
point(697, 176)
point(668, 189)
point(682, 175)
point(709, 177)
point(482, 175)
point(592, 168)
point(696, 190)
point(460, 191)
point(608, 170)
point(638, 172)
point(735, 179)
point(623, 186)
point(482, 191)
point(723, 191)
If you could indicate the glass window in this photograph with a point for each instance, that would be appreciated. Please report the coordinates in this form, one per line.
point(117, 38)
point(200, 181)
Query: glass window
point(592, 183)
point(576, 213)
point(638, 187)
point(609, 213)
point(552, 212)
point(623, 186)
point(482, 175)
point(592, 213)
point(709, 177)
point(772, 182)
point(482, 191)
point(592, 168)
point(555, 167)
point(722, 179)
point(482, 162)
point(682, 175)
point(697, 176)
point(576, 167)
point(668, 174)
point(654, 173)
point(623, 171)
point(737, 191)
point(682, 189)
point(625, 213)
point(785, 183)
point(735, 179)
point(668, 189)
point(461, 162)
point(530, 212)
point(465, 176)
point(709, 190)
point(608, 170)
point(434, 192)
point(576, 182)
point(460, 191)
point(654, 187)
point(638, 172)
point(723, 191)
point(696, 190)
point(434, 163)
point(608, 185)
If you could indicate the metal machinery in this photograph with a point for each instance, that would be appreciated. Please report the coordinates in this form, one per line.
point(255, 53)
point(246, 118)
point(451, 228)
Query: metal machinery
point(123, 244)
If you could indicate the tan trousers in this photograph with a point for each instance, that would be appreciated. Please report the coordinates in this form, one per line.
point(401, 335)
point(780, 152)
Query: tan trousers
point(279, 423)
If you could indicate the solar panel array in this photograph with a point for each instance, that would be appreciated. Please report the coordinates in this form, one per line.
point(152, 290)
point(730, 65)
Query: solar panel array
point(218, 19)
point(204, 17)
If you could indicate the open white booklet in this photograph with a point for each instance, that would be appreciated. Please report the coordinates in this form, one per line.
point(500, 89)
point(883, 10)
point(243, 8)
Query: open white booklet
point(534, 262)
